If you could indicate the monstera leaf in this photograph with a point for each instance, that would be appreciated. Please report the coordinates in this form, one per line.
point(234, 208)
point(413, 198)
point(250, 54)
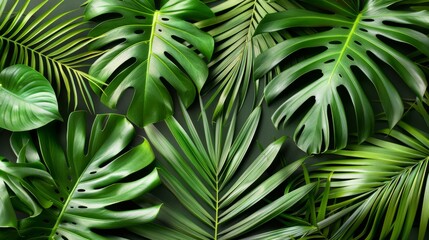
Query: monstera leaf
point(222, 191)
point(358, 39)
point(48, 42)
point(150, 44)
point(27, 100)
point(232, 66)
point(69, 194)
point(382, 185)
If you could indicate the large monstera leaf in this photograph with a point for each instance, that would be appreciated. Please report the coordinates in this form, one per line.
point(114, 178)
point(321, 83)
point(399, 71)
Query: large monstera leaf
point(68, 194)
point(382, 185)
point(27, 100)
point(151, 45)
point(363, 37)
point(233, 28)
point(50, 43)
point(222, 190)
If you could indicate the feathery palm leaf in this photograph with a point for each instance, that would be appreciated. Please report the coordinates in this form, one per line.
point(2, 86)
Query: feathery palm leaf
point(213, 182)
point(70, 193)
point(382, 184)
point(150, 42)
point(357, 44)
point(49, 43)
point(233, 29)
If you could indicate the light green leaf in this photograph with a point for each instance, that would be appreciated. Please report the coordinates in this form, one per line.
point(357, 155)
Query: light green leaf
point(27, 99)
point(49, 42)
point(149, 45)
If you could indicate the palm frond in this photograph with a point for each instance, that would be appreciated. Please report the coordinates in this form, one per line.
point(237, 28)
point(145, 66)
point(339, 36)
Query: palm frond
point(383, 184)
point(221, 191)
point(231, 69)
point(52, 43)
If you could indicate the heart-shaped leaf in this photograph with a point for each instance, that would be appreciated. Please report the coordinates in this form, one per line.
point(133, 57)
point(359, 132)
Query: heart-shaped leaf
point(150, 45)
point(27, 100)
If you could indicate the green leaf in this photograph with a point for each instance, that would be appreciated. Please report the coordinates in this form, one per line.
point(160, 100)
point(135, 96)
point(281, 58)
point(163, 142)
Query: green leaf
point(8, 219)
point(352, 47)
point(49, 42)
point(385, 178)
point(27, 99)
point(230, 71)
point(84, 183)
point(218, 184)
point(147, 46)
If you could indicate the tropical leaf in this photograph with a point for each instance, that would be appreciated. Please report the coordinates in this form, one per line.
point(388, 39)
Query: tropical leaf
point(362, 40)
point(68, 194)
point(50, 43)
point(27, 99)
point(233, 29)
point(221, 191)
point(382, 184)
point(150, 44)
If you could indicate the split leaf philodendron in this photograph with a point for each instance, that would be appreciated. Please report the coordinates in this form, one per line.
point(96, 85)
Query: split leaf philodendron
point(27, 100)
point(354, 46)
point(70, 193)
point(150, 44)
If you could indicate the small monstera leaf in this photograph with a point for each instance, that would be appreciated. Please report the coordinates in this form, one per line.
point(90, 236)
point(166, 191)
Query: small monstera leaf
point(70, 193)
point(361, 41)
point(151, 44)
point(27, 100)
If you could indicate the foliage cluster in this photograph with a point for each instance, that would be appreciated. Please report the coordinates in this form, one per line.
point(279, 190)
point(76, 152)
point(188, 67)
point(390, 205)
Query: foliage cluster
point(330, 70)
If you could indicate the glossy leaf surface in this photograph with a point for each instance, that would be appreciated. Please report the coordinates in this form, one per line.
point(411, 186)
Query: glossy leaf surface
point(382, 184)
point(224, 195)
point(146, 46)
point(73, 192)
point(363, 40)
point(27, 100)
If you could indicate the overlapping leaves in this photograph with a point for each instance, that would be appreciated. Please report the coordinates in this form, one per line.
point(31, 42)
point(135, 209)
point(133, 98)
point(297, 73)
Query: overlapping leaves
point(48, 42)
point(362, 36)
point(70, 193)
point(221, 192)
point(150, 44)
point(382, 185)
point(233, 29)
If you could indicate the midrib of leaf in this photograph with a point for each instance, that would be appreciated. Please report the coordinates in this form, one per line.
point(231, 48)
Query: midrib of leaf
point(66, 203)
point(46, 57)
point(217, 208)
point(152, 35)
point(20, 99)
point(345, 47)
